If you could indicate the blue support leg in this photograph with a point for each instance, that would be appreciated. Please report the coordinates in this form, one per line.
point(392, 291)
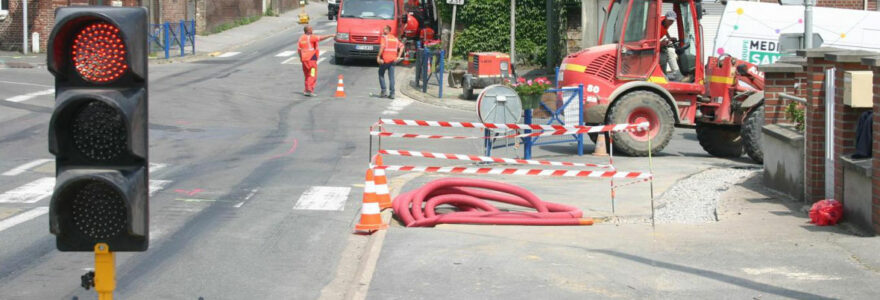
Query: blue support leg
point(182, 39)
point(527, 149)
point(166, 28)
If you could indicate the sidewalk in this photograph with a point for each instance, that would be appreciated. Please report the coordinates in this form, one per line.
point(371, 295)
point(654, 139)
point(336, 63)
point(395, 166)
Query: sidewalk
point(10, 60)
point(759, 248)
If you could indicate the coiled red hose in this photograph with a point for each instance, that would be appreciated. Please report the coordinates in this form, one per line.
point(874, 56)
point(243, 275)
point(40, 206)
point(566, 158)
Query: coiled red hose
point(416, 208)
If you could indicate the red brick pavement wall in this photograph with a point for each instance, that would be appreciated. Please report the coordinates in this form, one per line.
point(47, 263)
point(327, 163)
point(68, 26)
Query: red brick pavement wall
point(845, 122)
point(876, 154)
point(814, 129)
point(781, 82)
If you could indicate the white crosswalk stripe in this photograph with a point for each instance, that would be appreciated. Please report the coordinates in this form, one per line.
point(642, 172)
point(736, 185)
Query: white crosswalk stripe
point(323, 198)
point(23, 217)
point(285, 54)
point(27, 166)
point(29, 96)
point(29, 193)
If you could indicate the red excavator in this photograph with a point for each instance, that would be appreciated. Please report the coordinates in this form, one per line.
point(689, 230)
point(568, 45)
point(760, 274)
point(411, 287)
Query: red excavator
point(630, 78)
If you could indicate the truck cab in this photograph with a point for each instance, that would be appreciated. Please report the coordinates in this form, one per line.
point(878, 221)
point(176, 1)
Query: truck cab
point(359, 25)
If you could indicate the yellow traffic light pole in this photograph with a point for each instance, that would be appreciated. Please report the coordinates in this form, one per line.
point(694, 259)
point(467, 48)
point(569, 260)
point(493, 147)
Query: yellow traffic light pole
point(105, 271)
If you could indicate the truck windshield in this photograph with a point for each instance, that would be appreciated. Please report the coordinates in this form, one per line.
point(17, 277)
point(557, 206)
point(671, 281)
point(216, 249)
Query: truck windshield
point(368, 9)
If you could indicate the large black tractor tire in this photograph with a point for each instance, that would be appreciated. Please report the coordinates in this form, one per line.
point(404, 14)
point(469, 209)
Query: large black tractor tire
point(338, 60)
point(751, 134)
point(720, 141)
point(640, 102)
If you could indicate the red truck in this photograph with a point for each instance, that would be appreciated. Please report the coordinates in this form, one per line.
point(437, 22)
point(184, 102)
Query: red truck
point(360, 22)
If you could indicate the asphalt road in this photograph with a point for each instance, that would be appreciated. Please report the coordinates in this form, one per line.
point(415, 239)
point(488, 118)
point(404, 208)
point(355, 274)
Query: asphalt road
point(233, 147)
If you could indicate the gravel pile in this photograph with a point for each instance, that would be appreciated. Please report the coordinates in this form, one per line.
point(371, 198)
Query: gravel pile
point(695, 199)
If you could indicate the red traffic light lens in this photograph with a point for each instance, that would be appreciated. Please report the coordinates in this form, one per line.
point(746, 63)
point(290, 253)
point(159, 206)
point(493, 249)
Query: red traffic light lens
point(98, 53)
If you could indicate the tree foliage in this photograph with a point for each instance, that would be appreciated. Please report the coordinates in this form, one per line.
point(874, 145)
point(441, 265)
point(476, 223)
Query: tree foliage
point(486, 27)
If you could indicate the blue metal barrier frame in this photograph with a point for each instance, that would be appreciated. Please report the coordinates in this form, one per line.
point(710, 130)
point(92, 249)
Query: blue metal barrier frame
point(165, 36)
point(427, 57)
point(579, 138)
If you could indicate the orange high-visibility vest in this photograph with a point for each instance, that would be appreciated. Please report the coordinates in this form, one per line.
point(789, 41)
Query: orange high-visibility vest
point(307, 48)
point(391, 46)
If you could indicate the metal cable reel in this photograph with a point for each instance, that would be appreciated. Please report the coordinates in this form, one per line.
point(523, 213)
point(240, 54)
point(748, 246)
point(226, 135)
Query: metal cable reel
point(499, 104)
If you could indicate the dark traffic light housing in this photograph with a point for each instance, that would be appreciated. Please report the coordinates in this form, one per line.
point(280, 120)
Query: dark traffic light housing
point(98, 130)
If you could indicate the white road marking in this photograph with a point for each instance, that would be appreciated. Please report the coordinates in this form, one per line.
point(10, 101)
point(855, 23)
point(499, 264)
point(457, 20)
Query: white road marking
point(285, 54)
point(296, 61)
point(246, 198)
point(158, 185)
point(24, 83)
point(22, 168)
point(155, 167)
point(29, 193)
point(323, 198)
point(229, 54)
point(29, 96)
point(397, 105)
point(23, 217)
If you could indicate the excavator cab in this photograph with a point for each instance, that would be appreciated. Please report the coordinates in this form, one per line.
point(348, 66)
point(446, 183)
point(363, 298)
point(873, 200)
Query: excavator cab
point(636, 26)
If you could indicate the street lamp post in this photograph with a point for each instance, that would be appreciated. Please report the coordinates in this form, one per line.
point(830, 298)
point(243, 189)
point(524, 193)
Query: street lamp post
point(808, 24)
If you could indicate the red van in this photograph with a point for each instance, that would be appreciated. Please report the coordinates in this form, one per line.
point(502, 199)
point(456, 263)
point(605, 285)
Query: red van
point(359, 25)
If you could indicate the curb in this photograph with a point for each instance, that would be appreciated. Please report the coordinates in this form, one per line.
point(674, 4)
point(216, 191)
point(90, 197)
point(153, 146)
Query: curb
point(408, 78)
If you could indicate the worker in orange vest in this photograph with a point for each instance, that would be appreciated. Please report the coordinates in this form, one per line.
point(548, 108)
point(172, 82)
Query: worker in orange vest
point(308, 55)
point(390, 52)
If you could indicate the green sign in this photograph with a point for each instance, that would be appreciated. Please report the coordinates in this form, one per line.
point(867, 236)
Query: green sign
point(763, 58)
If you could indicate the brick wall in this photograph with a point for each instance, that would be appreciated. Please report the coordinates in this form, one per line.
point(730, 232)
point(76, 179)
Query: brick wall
point(781, 78)
point(41, 19)
point(173, 10)
point(220, 12)
point(845, 122)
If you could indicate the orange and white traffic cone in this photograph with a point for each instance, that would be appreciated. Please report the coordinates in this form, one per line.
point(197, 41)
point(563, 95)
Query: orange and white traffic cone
point(600, 149)
point(340, 89)
point(382, 191)
point(371, 218)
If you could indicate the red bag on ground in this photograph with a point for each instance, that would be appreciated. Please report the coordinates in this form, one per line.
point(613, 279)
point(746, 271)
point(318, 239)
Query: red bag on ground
point(826, 212)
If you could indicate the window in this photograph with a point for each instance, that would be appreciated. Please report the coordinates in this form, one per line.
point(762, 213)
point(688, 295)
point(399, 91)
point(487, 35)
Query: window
point(368, 9)
point(4, 5)
point(614, 22)
point(638, 23)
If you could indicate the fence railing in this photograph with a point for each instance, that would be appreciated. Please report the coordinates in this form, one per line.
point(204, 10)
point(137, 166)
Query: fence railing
point(167, 36)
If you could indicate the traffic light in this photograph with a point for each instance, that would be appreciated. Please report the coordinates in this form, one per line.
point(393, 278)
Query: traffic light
point(98, 130)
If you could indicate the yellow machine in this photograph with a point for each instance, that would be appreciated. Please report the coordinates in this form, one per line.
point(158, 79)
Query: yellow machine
point(303, 16)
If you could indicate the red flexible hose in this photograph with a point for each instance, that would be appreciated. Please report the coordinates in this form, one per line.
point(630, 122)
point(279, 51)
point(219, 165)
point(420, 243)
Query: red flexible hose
point(417, 208)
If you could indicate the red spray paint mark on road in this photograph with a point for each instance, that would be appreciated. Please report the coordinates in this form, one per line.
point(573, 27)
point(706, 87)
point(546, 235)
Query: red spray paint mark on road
point(289, 152)
point(188, 193)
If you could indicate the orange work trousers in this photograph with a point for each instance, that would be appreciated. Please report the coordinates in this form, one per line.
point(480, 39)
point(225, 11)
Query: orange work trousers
point(310, 72)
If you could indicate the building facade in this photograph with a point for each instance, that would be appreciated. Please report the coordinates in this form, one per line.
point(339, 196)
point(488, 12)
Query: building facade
point(209, 14)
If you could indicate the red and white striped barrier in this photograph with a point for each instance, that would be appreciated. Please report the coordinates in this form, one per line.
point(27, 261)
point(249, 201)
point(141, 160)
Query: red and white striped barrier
point(451, 156)
point(527, 172)
point(556, 128)
point(586, 129)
